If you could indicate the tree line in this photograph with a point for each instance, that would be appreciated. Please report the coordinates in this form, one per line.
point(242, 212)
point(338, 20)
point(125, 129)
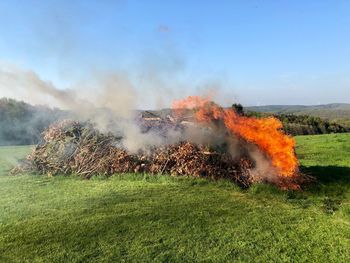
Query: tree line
point(22, 123)
point(298, 124)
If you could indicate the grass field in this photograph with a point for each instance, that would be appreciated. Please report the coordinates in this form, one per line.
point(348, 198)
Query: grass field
point(142, 218)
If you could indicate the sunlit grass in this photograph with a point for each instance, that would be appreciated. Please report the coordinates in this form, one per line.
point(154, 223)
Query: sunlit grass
point(147, 218)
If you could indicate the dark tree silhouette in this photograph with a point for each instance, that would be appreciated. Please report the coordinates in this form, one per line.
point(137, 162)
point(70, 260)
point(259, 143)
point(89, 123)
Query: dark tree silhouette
point(237, 107)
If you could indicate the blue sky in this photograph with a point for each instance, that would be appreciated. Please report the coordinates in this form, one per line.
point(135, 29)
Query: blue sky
point(258, 52)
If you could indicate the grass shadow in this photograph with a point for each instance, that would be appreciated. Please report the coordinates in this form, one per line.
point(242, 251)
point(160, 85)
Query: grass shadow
point(330, 180)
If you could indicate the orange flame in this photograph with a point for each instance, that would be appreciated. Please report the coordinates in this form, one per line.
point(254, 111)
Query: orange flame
point(266, 133)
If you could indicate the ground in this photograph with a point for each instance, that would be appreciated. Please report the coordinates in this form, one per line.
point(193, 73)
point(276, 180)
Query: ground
point(143, 218)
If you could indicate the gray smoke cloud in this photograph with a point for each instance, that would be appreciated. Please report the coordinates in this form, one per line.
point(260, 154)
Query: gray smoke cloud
point(109, 101)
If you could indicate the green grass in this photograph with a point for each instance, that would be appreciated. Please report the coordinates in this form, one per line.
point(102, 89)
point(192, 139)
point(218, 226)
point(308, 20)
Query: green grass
point(324, 150)
point(144, 218)
point(327, 157)
point(9, 156)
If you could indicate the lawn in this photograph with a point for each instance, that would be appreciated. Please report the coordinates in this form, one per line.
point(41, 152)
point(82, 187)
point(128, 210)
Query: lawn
point(143, 218)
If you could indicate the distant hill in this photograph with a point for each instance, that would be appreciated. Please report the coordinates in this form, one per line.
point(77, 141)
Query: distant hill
point(339, 112)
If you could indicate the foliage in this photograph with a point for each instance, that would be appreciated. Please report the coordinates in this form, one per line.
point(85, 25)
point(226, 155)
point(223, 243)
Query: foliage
point(238, 108)
point(304, 124)
point(22, 123)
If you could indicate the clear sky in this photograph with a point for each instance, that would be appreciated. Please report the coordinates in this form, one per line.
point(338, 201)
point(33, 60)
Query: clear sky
point(260, 52)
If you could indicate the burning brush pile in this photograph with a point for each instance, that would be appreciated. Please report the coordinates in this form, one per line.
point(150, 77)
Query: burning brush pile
point(216, 143)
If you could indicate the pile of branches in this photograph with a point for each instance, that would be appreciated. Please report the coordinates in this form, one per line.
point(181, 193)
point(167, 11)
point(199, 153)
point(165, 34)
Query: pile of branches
point(72, 147)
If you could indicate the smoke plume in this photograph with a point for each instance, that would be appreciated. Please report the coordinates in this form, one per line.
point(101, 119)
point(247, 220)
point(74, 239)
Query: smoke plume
point(108, 100)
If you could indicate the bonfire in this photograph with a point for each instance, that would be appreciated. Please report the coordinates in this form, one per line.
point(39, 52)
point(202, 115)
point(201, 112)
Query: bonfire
point(253, 150)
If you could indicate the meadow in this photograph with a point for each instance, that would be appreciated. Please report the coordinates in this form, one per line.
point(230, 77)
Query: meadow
point(144, 218)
